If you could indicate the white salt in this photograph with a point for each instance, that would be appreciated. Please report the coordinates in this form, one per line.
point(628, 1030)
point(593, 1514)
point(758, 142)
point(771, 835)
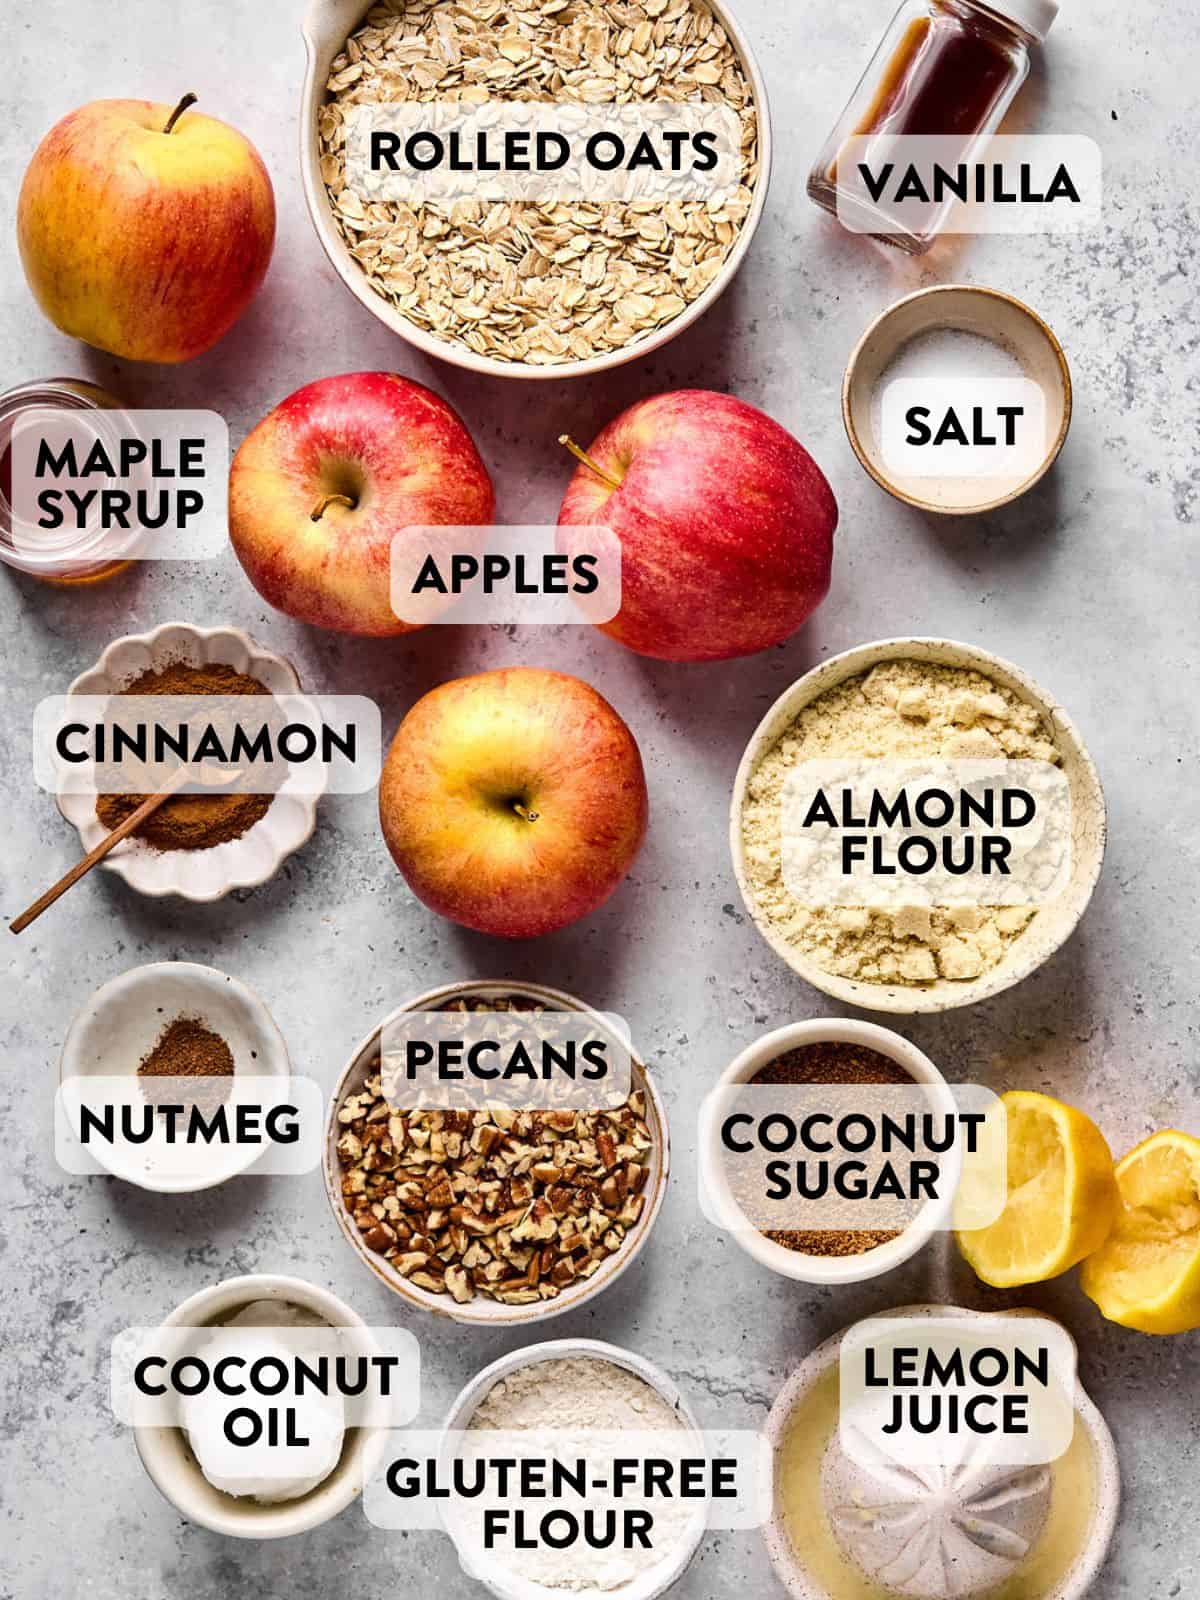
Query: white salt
point(945, 353)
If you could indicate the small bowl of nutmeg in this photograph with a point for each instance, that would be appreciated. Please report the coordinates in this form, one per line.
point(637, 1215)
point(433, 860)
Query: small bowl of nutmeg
point(503, 1216)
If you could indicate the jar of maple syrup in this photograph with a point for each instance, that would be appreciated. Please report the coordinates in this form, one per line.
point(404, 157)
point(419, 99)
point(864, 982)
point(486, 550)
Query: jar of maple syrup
point(947, 68)
point(58, 556)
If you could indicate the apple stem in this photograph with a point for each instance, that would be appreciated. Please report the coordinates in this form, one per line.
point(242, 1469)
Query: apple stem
point(524, 812)
point(188, 100)
point(324, 503)
point(593, 466)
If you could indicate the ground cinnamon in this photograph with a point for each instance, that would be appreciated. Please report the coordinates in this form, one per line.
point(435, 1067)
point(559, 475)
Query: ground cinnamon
point(832, 1062)
point(190, 821)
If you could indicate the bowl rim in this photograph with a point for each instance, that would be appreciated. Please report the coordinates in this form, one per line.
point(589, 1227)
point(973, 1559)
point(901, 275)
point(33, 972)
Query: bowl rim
point(115, 992)
point(1052, 454)
point(915, 1001)
point(813, 1367)
point(124, 864)
point(471, 1396)
point(793, 1264)
point(282, 1519)
point(489, 1313)
point(314, 30)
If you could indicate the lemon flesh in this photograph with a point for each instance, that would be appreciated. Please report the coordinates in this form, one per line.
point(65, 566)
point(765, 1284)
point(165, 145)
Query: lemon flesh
point(1147, 1273)
point(1062, 1196)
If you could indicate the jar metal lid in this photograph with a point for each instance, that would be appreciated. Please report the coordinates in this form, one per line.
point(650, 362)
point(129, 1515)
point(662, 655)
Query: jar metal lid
point(1035, 16)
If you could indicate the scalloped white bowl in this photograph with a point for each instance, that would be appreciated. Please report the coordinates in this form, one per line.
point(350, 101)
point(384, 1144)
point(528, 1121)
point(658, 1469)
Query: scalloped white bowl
point(243, 863)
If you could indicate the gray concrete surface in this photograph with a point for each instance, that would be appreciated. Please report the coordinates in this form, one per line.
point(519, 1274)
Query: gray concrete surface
point(1089, 584)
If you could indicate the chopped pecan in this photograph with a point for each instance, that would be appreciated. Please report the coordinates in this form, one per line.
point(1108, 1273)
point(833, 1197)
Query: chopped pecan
point(380, 1238)
point(459, 1285)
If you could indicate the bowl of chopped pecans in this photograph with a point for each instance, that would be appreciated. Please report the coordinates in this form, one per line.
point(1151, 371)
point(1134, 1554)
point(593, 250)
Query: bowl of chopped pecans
point(498, 1216)
point(529, 288)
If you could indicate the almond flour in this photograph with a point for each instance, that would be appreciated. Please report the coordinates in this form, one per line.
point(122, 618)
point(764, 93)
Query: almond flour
point(538, 283)
point(897, 709)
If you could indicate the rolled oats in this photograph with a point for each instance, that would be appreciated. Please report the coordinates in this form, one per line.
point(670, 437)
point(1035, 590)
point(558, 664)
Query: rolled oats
point(533, 282)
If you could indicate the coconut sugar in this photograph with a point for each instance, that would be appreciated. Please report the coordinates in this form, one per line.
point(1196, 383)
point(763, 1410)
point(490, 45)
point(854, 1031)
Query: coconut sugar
point(902, 708)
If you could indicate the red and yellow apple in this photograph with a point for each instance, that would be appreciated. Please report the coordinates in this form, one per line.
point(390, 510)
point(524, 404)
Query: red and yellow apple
point(321, 486)
point(725, 523)
point(145, 232)
point(513, 802)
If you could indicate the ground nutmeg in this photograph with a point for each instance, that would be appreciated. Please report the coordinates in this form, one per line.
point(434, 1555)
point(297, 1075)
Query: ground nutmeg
point(187, 1048)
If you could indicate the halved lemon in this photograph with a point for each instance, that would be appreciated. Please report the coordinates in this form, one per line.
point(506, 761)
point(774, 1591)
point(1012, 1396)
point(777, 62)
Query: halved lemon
point(1146, 1275)
point(1062, 1196)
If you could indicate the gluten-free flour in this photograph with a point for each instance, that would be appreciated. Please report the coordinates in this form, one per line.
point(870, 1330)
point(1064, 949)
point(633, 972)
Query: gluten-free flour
point(898, 709)
point(583, 1407)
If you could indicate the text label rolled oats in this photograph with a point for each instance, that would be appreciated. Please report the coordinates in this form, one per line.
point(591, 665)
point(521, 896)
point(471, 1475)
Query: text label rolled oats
point(445, 151)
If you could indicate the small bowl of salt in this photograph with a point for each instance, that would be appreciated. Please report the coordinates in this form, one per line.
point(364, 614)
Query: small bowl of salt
point(957, 399)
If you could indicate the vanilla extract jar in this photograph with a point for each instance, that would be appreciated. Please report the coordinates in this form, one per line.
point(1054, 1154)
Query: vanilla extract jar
point(945, 69)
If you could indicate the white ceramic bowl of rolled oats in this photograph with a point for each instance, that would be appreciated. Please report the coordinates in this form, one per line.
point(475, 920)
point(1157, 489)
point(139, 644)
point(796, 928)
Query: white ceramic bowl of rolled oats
point(525, 290)
point(946, 701)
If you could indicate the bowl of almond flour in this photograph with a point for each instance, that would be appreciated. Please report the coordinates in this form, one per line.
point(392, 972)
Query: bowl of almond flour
point(923, 699)
point(518, 288)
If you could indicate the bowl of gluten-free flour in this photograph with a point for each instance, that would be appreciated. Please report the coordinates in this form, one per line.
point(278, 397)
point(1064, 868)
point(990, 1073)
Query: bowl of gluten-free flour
point(525, 289)
point(920, 698)
point(577, 1399)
